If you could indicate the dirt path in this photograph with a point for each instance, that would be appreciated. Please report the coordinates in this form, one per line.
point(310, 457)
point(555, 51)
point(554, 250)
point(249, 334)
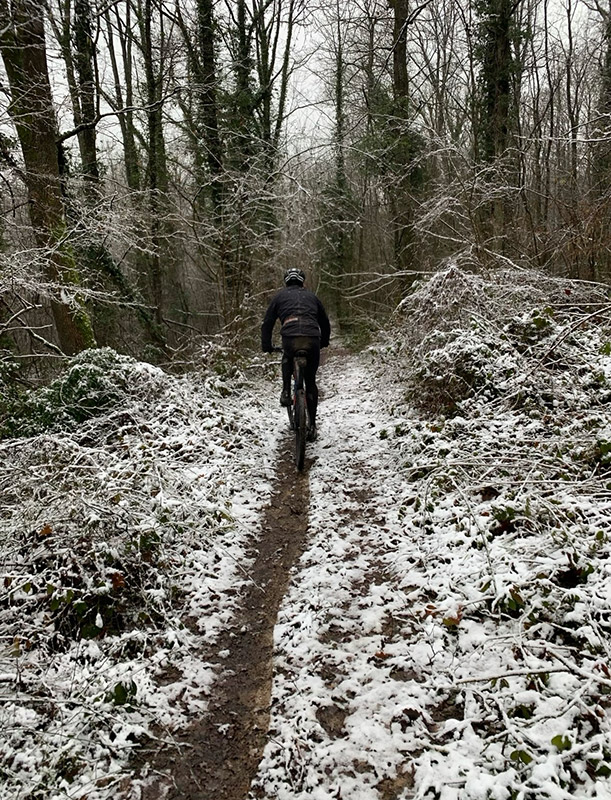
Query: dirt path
point(332, 733)
point(217, 757)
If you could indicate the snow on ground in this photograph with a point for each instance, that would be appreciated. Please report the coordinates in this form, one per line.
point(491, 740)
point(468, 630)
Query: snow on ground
point(124, 540)
point(446, 634)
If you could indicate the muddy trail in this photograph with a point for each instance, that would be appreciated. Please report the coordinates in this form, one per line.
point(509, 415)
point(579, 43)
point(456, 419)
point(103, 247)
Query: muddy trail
point(216, 758)
point(332, 519)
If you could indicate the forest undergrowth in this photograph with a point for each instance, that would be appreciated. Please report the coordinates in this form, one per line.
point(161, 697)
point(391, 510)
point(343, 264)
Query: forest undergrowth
point(129, 500)
point(506, 502)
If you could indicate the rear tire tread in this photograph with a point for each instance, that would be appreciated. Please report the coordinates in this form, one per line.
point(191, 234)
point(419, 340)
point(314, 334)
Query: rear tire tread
point(301, 429)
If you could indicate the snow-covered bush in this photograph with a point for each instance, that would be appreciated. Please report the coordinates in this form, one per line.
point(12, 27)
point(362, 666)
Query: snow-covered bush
point(8, 381)
point(93, 382)
point(514, 335)
point(507, 491)
point(455, 366)
point(119, 525)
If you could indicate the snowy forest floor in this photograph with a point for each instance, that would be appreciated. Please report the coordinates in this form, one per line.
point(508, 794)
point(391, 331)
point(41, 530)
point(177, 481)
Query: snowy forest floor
point(424, 613)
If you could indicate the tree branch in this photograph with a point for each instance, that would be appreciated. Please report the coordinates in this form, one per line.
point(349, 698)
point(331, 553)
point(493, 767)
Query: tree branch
point(128, 109)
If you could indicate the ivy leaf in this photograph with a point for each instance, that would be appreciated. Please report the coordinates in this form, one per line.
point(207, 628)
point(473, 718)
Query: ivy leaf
point(522, 756)
point(562, 743)
point(123, 693)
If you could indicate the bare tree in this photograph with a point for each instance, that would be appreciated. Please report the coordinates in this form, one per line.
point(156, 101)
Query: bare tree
point(73, 26)
point(22, 42)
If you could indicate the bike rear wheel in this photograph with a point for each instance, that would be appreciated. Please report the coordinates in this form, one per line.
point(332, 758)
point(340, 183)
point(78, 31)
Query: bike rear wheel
point(290, 410)
point(301, 428)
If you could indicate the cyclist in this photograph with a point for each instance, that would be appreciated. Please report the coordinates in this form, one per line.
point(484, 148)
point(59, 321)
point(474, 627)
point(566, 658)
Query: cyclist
point(305, 326)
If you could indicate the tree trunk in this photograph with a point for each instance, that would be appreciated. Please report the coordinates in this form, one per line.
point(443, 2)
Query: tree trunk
point(156, 164)
point(341, 244)
point(85, 68)
point(209, 111)
point(604, 152)
point(399, 57)
point(74, 36)
point(499, 107)
point(405, 149)
point(241, 112)
point(123, 102)
point(22, 42)
point(602, 159)
point(497, 66)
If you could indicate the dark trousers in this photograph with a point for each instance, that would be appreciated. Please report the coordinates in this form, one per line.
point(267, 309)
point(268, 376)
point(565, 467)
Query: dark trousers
point(311, 345)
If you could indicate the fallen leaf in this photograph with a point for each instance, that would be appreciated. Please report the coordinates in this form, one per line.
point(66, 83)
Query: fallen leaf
point(118, 581)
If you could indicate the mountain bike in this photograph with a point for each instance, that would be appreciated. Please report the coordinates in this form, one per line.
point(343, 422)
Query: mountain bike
point(298, 408)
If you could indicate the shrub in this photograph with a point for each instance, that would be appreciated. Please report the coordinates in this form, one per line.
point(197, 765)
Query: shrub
point(454, 367)
point(93, 382)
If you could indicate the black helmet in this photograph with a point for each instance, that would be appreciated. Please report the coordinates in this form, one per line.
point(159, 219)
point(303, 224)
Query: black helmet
point(294, 275)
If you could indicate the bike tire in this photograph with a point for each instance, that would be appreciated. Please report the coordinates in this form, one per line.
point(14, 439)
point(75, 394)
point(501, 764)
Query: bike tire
point(291, 415)
point(301, 428)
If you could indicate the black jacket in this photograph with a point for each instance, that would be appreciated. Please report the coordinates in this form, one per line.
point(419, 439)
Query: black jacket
point(300, 313)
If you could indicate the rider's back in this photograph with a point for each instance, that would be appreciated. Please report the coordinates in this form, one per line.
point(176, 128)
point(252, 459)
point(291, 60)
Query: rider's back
point(300, 312)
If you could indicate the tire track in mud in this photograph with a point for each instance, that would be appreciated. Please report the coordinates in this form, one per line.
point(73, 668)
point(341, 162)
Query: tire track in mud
point(216, 758)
